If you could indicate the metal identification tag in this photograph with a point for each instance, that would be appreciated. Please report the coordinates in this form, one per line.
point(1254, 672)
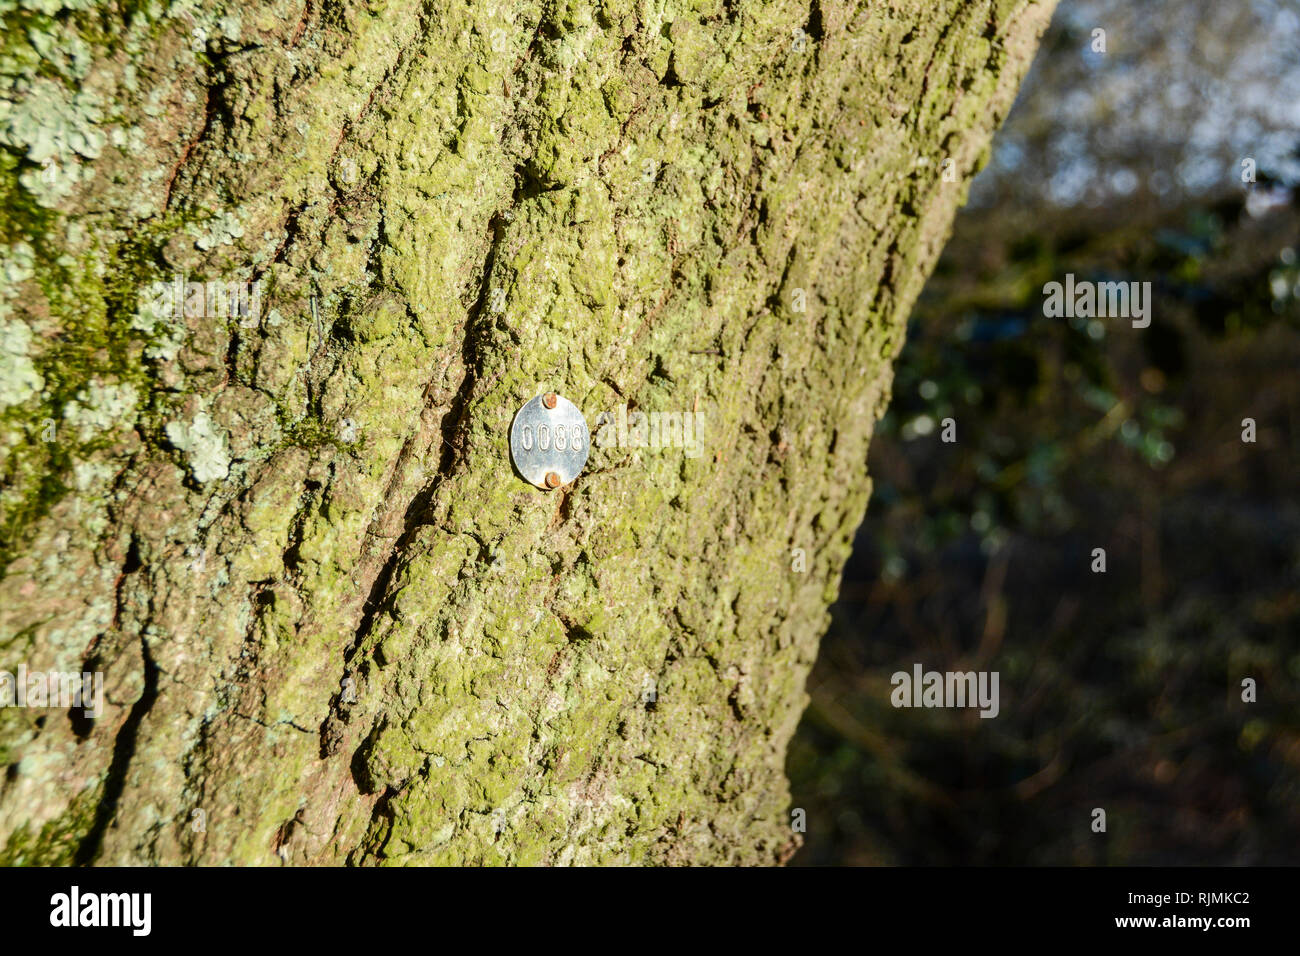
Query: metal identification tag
point(549, 441)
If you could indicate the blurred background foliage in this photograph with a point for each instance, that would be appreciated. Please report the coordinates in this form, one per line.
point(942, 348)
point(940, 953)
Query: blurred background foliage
point(1119, 690)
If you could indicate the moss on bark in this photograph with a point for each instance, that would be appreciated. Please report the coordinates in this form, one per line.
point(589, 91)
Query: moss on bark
point(333, 624)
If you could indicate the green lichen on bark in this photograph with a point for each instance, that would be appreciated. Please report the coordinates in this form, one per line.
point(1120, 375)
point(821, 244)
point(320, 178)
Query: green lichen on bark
point(330, 617)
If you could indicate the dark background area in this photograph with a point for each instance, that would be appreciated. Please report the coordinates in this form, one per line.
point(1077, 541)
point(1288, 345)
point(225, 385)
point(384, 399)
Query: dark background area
point(1119, 690)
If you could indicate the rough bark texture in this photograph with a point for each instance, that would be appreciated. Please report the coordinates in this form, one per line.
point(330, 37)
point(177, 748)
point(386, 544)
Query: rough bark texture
point(451, 206)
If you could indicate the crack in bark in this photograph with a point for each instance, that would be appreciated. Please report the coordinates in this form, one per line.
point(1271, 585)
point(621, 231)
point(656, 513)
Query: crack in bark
point(123, 751)
point(451, 431)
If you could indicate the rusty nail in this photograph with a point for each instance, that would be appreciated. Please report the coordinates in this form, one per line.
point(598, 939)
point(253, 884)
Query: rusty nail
point(549, 399)
point(552, 480)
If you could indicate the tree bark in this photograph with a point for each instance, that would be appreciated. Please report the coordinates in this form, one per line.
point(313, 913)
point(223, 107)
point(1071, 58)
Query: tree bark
point(332, 623)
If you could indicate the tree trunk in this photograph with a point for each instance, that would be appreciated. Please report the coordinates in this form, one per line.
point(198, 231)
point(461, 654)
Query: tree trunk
point(331, 621)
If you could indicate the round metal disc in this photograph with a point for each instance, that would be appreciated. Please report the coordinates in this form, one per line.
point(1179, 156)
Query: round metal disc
point(549, 442)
